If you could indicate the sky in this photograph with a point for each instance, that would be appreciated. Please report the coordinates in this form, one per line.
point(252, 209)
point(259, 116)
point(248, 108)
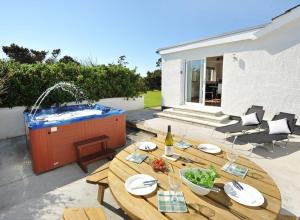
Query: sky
point(102, 30)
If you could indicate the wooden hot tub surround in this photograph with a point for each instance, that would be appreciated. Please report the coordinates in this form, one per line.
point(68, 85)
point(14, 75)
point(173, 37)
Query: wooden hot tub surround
point(53, 147)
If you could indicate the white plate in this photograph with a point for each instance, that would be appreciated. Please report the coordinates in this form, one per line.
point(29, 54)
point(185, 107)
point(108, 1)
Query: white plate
point(138, 180)
point(249, 196)
point(209, 148)
point(147, 146)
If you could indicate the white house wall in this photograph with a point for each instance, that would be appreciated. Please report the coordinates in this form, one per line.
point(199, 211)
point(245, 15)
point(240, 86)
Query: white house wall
point(267, 72)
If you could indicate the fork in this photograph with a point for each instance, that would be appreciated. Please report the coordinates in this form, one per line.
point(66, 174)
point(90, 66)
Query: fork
point(237, 185)
point(241, 188)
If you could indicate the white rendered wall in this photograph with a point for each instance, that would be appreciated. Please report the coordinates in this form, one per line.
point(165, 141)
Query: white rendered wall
point(12, 121)
point(266, 73)
point(124, 103)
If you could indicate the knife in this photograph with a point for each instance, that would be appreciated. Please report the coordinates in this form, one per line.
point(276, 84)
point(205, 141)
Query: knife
point(237, 185)
point(144, 184)
point(150, 181)
point(241, 188)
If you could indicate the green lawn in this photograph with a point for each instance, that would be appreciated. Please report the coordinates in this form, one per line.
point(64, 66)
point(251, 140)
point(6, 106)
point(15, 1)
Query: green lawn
point(152, 99)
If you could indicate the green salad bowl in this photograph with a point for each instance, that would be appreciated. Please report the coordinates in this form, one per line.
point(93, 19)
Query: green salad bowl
point(198, 189)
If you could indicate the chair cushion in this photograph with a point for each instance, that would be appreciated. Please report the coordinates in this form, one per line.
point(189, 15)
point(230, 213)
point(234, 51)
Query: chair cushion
point(250, 119)
point(291, 119)
point(279, 126)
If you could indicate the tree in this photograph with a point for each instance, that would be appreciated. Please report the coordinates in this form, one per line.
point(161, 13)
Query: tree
point(68, 59)
point(122, 60)
point(158, 63)
point(153, 80)
point(24, 55)
point(4, 79)
point(38, 56)
point(3, 85)
point(17, 53)
point(54, 54)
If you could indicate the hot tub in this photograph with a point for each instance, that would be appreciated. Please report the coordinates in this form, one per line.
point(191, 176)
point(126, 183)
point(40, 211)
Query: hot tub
point(52, 132)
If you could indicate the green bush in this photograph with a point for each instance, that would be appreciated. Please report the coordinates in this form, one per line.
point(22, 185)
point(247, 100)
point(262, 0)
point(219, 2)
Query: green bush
point(28, 81)
point(153, 80)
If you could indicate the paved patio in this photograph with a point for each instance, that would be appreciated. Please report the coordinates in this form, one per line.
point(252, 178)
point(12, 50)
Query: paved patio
point(27, 196)
point(24, 195)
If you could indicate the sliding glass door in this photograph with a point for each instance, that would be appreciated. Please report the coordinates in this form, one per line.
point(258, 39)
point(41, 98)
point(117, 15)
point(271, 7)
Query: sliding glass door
point(194, 81)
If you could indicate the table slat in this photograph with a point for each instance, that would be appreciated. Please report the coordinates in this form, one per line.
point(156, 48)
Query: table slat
point(136, 207)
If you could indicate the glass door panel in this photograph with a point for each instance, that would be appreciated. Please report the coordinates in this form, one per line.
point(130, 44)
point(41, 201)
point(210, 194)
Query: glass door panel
point(194, 81)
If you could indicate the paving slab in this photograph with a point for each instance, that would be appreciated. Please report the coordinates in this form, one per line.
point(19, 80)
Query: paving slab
point(25, 195)
point(50, 206)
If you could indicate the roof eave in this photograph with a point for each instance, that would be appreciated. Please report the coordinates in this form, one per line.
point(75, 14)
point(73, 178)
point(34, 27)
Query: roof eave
point(227, 34)
point(279, 21)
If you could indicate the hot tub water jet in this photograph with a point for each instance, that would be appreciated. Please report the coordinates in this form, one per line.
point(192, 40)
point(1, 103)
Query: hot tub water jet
point(65, 86)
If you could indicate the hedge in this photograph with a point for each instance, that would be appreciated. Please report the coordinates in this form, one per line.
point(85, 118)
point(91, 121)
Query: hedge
point(28, 81)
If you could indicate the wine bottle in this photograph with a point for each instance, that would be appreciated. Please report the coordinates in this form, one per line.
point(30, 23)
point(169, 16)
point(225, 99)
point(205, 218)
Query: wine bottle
point(169, 142)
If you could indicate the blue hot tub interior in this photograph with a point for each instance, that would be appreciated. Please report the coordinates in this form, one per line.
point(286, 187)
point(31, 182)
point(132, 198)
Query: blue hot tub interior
point(57, 116)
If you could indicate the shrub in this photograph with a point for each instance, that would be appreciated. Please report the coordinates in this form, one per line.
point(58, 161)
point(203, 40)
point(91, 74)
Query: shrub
point(102, 81)
point(4, 77)
point(153, 80)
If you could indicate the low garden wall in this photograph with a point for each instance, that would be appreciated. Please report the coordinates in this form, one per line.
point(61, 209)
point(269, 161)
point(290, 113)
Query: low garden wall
point(12, 121)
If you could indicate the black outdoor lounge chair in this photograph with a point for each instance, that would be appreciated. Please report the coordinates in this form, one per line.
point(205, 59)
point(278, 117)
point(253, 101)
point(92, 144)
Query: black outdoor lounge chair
point(238, 127)
point(263, 137)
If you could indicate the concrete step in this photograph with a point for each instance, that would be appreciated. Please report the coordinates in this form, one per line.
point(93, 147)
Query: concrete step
point(207, 110)
point(199, 115)
point(194, 121)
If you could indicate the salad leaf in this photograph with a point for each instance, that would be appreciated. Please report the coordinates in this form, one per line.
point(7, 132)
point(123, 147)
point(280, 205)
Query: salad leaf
point(205, 178)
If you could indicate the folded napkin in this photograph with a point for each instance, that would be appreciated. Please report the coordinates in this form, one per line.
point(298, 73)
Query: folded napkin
point(165, 203)
point(136, 158)
point(235, 169)
point(183, 144)
point(173, 157)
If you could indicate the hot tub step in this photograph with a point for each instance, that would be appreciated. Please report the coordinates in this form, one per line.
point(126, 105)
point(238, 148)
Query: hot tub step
point(92, 150)
point(95, 157)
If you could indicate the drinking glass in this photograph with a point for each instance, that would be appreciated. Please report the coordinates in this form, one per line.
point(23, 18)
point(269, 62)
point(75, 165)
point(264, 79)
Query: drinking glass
point(174, 182)
point(182, 135)
point(232, 155)
point(136, 147)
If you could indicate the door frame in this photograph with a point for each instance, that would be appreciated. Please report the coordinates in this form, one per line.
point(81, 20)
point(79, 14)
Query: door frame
point(203, 84)
point(221, 55)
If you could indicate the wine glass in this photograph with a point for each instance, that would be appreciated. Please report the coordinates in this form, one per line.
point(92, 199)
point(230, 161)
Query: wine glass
point(135, 152)
point(232, 155)
point(174, 182)
point(182, 135)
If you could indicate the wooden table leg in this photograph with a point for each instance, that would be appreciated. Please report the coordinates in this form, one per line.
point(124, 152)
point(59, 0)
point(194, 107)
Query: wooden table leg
point(100, 196)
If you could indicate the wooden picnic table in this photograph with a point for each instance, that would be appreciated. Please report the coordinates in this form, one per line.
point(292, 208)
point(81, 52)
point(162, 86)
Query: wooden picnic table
point(212, 206)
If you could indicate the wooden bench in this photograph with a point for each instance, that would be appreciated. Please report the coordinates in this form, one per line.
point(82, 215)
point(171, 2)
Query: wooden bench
point(83, 214)
point(91, 150)
point(99, 177)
